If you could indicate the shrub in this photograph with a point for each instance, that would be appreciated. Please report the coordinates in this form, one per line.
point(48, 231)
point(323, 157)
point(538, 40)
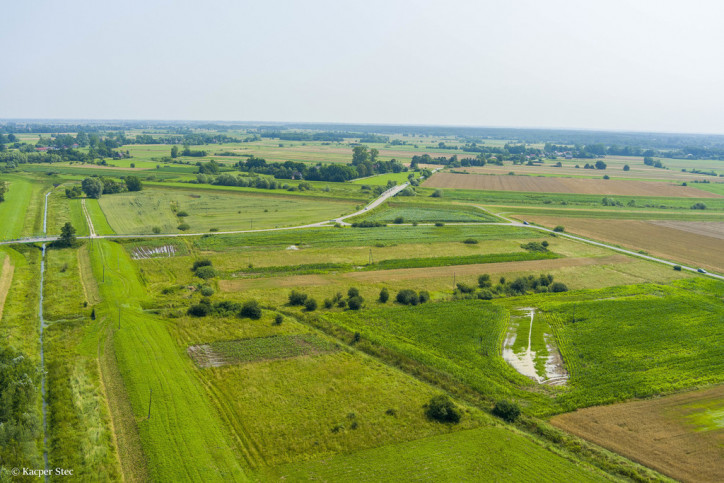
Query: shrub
point(199, 310)
point(183, 226)
point(342, 303)
point(677, 268)
point(698, 206)
point(204, 262)
point(278, 319)
point(441, 408)
point(471, 241)
point(437, 194)
point(251, 309)
point(352, 292)
point(355, 303)
point(156, 230)
point(226, 308)
point(182, 214)
point(384, 296)
point(424, 296)
point(310, 305)
point(407, 297)
point(328, 304)
point(506, 410)
point(485, 294)
point(534, 247)
point(558, 287)
point(206, 272)
point(297, 298)
point(439, 223)
point(207, 291)
point(484, 281)
point(399, 220)
point(559, 229)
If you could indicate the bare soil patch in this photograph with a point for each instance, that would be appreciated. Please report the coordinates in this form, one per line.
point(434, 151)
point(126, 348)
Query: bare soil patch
point(666, 241)
point(657, 433)
point(611, 187)
point(403, 274)
point(6, 279)
point(707, 228)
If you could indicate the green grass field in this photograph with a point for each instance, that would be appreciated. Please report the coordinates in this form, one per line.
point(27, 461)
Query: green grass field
point(139, 212)
point(411, 212)
point(184, 439)
point(488, 453)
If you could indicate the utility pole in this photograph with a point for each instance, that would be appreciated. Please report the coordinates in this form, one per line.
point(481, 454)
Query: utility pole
point(104, 273)
point(370, 256)
point(453, 280)
point(119, 317)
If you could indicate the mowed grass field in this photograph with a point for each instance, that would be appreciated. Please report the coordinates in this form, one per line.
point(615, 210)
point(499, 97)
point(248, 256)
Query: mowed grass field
point(610, 187)
point(184, 439)
point(488, 453)
point(139, 212)
point(421, 212)
point(681, 435)
point(698, 244)
point(21, 214)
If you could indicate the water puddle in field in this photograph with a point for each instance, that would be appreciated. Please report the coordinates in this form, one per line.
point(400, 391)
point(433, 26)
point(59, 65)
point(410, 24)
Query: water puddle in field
point(523, 359)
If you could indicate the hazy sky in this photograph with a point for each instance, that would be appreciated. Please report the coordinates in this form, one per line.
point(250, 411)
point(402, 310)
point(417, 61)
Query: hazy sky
point(622, 65)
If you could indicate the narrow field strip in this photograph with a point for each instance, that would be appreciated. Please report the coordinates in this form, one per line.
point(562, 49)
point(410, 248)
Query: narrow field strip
point(6, 279)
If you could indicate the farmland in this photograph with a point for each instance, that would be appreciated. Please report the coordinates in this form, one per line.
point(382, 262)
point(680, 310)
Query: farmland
point(137, 213)
point(564, 185)
point(390, 346)
point(670, 433)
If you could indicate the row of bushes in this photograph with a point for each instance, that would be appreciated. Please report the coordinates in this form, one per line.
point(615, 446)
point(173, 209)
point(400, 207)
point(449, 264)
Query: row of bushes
point(225, 308)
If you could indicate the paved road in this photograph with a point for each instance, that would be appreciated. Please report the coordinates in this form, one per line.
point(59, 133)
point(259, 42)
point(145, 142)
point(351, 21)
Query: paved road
point(381, 199)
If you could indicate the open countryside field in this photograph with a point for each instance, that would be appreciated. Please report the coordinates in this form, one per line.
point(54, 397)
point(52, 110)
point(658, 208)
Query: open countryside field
point(563, 185)
point(681, 435)
point(225, 211)
point(678, 241)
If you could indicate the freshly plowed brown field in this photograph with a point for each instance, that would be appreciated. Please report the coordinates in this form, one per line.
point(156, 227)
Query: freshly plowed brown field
point(707, 228)
point(403, 274)
point(676, 241)
point(537, 184)
point(660, 433)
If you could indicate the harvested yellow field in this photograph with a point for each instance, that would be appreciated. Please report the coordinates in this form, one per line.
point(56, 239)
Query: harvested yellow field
point(539, 184)
point(6, 279)
point(681, 436)
point(684, 242)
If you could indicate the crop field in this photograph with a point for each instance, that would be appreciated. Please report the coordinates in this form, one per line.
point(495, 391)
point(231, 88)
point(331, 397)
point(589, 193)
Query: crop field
point(611, 187)
point(383, 179)
point(21, 212)
point(425, 212)
point(493, 453)
point(681, 435)
point(6, 278)
point(140, 212)
point(659, 339)
point(695, 245)
point(267, 348)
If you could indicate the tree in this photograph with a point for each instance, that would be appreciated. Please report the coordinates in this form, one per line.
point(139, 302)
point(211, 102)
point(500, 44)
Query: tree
point(506, 410)
point(626, 167)
point(174, 152)
point(133, 183)
point(484, 281)
point(206, 272)
point(251, 310)
point(355, 303)
point(310, 304)
point(441, 408)
point(297, 298)
point(360, 155)
point(67, 236)
point(384, 295)
point(92, 187)
point(600, 164)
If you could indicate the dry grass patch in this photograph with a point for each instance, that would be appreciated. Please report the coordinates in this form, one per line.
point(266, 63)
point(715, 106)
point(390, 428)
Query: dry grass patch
point(90, 286)
point(666, 434)
point(6, 279)
point(680, 241)
point(611, 187)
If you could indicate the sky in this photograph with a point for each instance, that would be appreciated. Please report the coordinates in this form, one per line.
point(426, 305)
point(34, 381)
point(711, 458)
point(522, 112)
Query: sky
point(616, 65)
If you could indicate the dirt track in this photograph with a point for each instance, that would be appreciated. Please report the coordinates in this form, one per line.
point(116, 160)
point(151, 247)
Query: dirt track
point(414, 273)
point(666, 240)
point(657, 433)
point(537, 184)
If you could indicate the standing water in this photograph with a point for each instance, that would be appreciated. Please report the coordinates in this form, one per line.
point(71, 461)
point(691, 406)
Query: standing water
point(42, 352)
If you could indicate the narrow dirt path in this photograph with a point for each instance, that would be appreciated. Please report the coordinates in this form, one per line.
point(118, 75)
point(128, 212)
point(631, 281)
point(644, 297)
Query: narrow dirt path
point(91, 229)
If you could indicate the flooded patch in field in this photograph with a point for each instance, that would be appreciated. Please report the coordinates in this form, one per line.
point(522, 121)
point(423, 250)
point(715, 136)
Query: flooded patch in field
point(143, 252)
point(531, 350)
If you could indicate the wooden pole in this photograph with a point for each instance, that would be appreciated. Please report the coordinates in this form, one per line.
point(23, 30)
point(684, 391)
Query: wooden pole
point(150, 396)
